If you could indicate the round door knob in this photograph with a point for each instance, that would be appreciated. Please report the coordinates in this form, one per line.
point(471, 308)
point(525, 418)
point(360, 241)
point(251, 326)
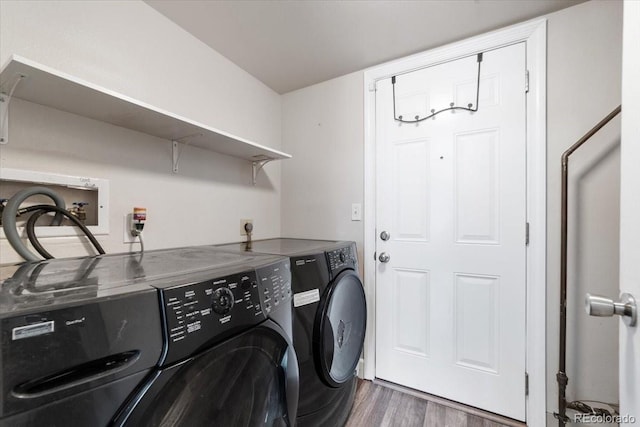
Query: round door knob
point(596, 305)
point(384, 257)
point(385, 235)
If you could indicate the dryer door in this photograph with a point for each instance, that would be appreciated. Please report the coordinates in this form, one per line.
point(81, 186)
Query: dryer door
point(248, 380)
point(339, 329)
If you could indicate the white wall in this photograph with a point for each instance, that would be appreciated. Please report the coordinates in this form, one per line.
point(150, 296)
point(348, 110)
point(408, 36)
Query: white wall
point(130, 48)
point(322, 127)
point(584, 61)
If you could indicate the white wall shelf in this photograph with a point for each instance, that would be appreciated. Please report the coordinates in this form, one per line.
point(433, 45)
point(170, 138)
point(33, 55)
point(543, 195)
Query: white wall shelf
point(46, 86)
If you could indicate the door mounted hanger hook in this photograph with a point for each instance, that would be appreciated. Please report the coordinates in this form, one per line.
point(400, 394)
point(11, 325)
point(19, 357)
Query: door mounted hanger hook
point(470, 107)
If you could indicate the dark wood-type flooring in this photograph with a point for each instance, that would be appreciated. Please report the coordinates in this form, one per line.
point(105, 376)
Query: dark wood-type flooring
point(377, 405)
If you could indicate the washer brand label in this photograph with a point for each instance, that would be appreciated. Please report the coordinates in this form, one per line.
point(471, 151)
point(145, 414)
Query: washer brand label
point(34, 330)
point(74, 322)
point(307, 297)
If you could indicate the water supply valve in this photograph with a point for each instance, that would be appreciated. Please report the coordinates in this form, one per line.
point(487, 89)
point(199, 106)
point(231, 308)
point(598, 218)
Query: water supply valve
point(79, 211)
point(248, 228)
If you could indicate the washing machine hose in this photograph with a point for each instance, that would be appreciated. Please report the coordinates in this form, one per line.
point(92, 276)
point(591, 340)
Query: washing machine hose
point(40, 210)
point(12, 210)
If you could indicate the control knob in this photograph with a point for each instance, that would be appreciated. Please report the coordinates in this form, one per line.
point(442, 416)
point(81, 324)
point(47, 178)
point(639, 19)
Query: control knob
point(222, 300)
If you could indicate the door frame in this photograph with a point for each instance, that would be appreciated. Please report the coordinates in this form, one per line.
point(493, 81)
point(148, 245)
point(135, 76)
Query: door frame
point(629, 347)
point(534, 34)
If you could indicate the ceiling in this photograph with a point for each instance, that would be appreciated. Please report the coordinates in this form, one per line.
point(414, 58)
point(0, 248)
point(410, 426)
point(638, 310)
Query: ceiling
point(290, 44)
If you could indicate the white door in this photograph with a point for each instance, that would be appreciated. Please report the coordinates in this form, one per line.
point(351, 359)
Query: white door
point(630, 212)
point(450, 191)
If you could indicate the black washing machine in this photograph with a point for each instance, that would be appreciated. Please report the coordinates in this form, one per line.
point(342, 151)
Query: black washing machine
point(229, 359)
point(329, 323)
point(178, 337)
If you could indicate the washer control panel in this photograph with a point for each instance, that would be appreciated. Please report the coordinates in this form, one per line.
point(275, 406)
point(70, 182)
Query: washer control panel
point(275, 286)
point(341, 258)
point(204, 313)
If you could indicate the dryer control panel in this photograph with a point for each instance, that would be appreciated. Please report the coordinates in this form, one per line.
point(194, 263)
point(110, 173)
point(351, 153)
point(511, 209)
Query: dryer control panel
point(201, 314)
point(341, 258)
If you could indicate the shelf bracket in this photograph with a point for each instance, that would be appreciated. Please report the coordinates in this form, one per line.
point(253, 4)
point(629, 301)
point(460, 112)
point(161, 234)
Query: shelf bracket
point(257, 166)
point(4, 118)
point(175, 155)
point(5, 100)
point(175, 149)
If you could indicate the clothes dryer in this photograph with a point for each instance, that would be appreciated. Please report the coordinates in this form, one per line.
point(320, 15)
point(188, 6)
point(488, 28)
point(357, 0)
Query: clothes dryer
point(329, 323)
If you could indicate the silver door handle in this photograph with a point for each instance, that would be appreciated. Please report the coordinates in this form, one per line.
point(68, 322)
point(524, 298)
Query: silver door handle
point(385, 235)
point(384, 257)
point(596, 305)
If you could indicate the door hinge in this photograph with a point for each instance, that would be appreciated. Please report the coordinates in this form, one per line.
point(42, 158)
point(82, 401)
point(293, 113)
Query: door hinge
point(372, 87)
point(526, 384)
point(526, 81)
point(526, 234)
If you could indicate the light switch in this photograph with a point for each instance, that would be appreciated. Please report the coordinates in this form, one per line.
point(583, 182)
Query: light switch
point(356, 212)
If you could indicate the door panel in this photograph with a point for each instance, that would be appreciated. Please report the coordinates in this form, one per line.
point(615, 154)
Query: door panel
point(411, 324)
point(476, 187)
point(411, 189)
point(477, 329)
point(451, 192)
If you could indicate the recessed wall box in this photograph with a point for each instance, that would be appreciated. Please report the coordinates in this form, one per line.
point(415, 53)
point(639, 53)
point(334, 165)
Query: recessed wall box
point(92, 194)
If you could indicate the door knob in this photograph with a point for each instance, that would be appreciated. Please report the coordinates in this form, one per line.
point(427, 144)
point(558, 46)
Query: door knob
point(596, 305)
point(385, 235)
point(384, 257)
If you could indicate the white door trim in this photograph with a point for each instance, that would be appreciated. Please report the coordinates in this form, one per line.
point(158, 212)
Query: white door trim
point(534, 33)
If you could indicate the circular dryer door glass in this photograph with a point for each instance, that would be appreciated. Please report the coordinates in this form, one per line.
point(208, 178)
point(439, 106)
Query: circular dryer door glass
point(339, 332)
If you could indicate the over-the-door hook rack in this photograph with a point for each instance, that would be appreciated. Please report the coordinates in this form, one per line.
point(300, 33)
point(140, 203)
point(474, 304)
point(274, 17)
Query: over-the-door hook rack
point(470, 107)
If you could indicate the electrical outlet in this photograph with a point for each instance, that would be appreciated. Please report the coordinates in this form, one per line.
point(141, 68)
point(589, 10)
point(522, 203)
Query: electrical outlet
point(356, 212)
point(243, 232)
point(127, 237)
